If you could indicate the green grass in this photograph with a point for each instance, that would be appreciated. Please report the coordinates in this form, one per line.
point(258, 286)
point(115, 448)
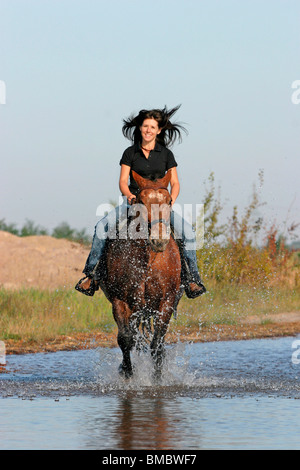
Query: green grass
point(228, 305)
point(33, 315)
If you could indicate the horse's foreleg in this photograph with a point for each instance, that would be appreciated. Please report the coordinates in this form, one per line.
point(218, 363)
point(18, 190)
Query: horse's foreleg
point(125, 342)
point(122, 315)
point(160, 330)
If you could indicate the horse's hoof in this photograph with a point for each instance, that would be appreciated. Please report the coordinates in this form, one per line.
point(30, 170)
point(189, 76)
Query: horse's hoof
point(125, 372)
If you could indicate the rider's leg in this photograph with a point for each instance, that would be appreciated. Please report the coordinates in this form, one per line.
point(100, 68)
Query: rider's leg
point(186, 239)
point(105, 228)
point(97, 248)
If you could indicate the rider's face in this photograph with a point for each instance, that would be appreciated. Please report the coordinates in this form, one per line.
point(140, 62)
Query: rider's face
point(149, 130)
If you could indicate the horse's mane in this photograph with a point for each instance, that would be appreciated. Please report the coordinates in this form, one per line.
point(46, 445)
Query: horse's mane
point(154, 177)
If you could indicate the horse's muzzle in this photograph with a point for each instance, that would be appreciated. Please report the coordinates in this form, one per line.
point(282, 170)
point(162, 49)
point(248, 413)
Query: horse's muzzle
point(158, 245)
point(160, 239)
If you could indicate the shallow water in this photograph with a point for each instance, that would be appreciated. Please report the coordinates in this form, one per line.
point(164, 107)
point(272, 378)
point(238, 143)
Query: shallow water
point(224, 395)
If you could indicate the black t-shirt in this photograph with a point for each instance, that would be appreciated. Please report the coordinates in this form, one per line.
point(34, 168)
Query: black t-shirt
point(155, 166)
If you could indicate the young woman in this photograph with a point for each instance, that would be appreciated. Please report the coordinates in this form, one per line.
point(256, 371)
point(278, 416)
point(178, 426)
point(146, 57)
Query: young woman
point(151, 133)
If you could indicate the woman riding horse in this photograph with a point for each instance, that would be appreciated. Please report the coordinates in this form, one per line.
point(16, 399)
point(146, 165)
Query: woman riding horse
point(151, 133)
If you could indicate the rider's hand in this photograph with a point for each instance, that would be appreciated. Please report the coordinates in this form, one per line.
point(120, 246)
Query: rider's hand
point(131, 198)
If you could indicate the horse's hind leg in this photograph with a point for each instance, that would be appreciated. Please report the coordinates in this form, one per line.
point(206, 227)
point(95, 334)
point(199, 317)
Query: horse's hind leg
point(122, 315)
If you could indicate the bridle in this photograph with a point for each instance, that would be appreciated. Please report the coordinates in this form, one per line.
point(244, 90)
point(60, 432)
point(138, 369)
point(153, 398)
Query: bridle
point(137, 200)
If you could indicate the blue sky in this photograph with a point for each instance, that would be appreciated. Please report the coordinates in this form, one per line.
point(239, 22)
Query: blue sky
point(74, 69)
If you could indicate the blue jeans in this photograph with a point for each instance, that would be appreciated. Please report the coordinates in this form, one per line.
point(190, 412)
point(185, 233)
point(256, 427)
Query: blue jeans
point(183, 233)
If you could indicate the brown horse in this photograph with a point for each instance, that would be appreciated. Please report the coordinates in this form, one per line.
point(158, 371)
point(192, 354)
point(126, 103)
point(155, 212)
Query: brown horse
point(143, 275)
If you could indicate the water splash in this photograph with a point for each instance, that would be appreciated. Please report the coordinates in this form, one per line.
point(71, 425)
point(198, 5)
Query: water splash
point(176, 372)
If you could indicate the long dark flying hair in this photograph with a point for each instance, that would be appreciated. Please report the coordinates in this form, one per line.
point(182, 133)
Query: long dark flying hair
point(169, 131)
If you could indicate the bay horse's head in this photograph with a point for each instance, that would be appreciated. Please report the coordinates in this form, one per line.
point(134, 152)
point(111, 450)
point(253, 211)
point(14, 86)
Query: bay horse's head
point(154, 195)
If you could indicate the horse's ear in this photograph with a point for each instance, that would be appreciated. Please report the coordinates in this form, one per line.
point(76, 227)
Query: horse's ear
point(140, 181)
point(166, 179)
point(145, 183)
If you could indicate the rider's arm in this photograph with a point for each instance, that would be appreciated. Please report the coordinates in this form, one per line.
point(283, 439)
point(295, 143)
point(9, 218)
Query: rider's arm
point(175, 186)
point(123, 182)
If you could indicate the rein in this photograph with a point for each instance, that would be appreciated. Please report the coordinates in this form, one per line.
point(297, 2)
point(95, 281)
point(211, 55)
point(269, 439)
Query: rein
point(158, 221)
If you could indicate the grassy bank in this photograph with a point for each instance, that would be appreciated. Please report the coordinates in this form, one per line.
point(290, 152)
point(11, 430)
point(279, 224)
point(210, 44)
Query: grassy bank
point(38, 316)
point(35, 316)
point(233, 305)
